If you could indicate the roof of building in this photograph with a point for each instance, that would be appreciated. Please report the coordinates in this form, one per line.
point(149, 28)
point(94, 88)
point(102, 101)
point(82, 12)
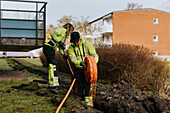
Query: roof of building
point(30, 1)
point(124, 11)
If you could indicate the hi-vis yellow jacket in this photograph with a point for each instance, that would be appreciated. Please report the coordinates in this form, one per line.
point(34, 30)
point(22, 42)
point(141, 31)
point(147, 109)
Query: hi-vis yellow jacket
point(78, 53)
point(57, 36)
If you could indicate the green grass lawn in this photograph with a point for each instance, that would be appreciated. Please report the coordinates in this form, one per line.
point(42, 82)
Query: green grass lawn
point(4, 65)
point(22, 101)
point(35, 61)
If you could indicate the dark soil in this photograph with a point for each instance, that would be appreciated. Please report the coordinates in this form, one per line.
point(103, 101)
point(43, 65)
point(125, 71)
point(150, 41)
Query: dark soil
point(123, 98)
point(110, 98)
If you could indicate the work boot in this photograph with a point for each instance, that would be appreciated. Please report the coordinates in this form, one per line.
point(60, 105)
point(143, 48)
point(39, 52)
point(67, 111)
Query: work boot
point(51, 87)
point(57, 88)
point(89, 101)
point(54, 89)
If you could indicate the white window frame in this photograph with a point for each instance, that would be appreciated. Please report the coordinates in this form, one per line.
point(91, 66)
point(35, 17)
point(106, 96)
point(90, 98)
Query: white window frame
point(102, 40)
point(108, 39)
point(155, 38)
point(155, 20)
point(100, 24)
point(155, 53)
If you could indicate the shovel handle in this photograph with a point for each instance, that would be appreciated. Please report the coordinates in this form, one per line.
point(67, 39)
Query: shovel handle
point(69, 64)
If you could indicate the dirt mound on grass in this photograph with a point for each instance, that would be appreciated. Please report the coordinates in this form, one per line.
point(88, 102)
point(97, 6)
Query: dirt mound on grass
point(123, 98)
point(110, 98)
point(72, 105)
point(13, 75)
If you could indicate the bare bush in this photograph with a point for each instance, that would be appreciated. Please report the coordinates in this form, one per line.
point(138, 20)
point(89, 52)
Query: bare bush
point(134, 64)
point(62, 64)
point(131, 63)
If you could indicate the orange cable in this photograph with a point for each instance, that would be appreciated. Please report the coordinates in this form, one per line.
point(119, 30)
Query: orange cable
point(59, 107)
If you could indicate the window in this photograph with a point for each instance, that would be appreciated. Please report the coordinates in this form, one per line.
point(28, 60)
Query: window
point(95, 25)
point(102, 39)
point(100, 24)
point(155, 21)
point(155, 53)
point(110, 21)
point(155, 38)
point(108, 39)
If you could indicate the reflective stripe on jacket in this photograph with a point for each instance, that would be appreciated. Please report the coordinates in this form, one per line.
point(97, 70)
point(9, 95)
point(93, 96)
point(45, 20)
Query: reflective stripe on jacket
point(57, 36)
point(78, 53)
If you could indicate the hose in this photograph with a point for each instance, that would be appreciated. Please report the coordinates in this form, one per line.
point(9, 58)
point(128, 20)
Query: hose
point(59, 107)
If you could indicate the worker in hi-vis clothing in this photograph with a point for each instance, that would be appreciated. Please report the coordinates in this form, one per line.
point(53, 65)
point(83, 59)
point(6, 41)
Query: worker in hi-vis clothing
point(78, 50)
point(56, 40)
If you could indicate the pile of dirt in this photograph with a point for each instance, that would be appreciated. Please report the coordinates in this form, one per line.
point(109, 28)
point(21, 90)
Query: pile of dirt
point(123, 98)
point(110, 98)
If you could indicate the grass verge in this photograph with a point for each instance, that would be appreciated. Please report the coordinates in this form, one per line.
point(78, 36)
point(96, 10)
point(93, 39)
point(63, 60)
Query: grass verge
point(4, 65)
point(35, 61)
point(14, 100)
point(22, 101)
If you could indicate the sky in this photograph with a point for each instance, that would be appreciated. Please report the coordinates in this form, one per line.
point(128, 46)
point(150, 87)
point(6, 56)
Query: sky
point(56, 9)
point(94, 9)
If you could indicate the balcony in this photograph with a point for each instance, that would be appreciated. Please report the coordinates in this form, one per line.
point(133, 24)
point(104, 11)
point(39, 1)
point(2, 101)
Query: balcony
point(22, 29)
point(107, 29)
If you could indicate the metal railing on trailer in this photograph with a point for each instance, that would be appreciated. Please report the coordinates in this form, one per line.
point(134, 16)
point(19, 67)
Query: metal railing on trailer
point(22, 25)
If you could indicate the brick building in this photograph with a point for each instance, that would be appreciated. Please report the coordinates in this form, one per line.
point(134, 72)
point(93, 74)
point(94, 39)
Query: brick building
point(147, 27)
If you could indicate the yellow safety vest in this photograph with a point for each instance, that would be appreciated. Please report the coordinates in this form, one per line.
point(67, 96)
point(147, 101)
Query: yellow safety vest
point(78, 53)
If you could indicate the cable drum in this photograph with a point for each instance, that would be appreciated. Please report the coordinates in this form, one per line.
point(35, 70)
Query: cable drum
point(91, 72)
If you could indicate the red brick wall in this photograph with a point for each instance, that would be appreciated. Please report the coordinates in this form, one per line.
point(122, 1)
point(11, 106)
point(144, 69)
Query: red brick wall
point(136, 27)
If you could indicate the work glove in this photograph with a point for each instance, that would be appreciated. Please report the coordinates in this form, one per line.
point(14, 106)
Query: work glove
point(65, 56)
point(61, 44)
point(84, 65)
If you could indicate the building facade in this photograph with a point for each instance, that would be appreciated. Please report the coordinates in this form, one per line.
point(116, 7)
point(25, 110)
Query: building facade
point(147, 27)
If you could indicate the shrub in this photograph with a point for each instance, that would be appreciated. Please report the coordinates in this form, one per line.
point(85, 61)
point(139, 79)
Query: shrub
point(134, 64)
point(43, 59)
point(62, 64)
